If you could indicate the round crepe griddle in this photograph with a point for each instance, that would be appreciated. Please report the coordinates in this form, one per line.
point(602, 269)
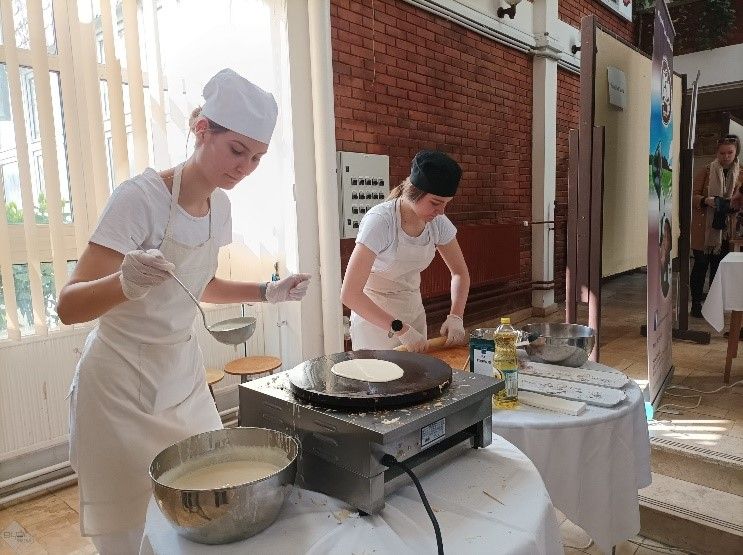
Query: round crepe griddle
point(424, 378)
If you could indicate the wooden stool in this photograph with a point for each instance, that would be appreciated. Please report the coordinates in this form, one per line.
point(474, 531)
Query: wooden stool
point(251, 366)
point(213, 375)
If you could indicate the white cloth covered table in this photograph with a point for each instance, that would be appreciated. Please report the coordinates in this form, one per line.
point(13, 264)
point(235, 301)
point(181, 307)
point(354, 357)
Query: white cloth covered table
point(726, 291)
point(471, 522)
point(592, 464)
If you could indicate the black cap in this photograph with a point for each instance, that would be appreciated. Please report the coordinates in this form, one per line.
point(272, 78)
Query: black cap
point(436, 173)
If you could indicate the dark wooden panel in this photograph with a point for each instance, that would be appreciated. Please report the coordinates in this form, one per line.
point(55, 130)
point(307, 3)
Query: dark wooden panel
point(585, 144)
point(596, 218)
point(572, 234)
point(491, 252)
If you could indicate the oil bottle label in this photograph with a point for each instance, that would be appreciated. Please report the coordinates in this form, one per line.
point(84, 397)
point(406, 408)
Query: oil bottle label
point(512, 383)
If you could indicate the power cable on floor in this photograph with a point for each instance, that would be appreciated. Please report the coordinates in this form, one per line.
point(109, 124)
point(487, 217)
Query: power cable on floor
point(663, 408)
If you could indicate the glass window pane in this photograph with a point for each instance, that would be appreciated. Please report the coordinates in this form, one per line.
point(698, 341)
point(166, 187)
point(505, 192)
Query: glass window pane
point(117, 12)
point(41, 206)
point(3, 313)
point(148, 125)
point(12, 186)
point(7, 133)
point(50, 295)
point(28, 95)
point(49, 27)
point(110, 161)
point(71, 267)
point(61, 142)
point(23, 298)
point(22, 31)
point(36, 159)
point(20, 24)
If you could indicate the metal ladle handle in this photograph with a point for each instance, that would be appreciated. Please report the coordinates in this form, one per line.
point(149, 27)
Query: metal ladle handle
point(203, 316)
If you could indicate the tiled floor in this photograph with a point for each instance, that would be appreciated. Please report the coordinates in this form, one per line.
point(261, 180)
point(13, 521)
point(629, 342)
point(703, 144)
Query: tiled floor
point(576, 541)
point(50, 524)
point(47, 525)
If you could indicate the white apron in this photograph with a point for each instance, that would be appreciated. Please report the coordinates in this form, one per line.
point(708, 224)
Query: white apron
point(139, 387)
point(397, 290)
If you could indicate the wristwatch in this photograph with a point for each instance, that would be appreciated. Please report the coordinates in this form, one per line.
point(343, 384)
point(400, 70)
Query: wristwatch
point(395, 326)
point(262, 288)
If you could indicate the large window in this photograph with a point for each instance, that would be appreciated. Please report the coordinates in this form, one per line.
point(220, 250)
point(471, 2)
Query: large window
point(81, 110)
point(43, 139)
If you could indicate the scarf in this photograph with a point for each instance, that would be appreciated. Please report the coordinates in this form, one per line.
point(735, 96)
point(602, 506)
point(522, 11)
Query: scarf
point(719, 185)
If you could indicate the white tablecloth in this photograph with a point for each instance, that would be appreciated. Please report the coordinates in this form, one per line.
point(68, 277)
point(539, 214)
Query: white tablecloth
point(726, 291)
point(592, 464)
point(471, 522)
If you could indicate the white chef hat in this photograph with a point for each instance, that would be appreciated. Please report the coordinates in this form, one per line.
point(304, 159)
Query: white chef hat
point(237, 104)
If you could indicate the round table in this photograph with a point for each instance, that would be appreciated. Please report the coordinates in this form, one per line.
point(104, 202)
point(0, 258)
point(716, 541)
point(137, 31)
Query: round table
point(488, 500)
point(592, 464)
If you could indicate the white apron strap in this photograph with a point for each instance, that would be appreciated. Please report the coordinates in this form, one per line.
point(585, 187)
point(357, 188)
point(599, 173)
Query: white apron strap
point(174, 195)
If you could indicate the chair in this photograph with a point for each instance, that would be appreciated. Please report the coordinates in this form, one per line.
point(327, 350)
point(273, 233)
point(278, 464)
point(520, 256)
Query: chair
point(213, 375)
point(251, 366)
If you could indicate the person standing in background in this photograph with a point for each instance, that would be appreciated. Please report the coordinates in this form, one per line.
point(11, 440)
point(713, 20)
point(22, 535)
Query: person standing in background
point(711, 224)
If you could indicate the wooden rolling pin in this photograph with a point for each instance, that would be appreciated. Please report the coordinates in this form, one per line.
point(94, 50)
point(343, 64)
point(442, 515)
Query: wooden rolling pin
point(433, 344)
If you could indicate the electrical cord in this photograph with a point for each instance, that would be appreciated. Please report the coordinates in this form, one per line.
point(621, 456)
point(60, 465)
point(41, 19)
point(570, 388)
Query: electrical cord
point(390, 461)
point(664, 407)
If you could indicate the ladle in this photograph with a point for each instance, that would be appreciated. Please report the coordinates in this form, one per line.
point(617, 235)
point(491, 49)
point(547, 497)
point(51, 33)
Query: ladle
point(231, 332)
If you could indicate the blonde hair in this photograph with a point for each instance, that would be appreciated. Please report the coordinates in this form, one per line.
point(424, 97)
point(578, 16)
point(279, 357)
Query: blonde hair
point(194, 117)
point(408, 190)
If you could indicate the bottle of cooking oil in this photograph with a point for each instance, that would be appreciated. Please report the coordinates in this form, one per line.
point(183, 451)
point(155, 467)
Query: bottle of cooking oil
point(505, 365)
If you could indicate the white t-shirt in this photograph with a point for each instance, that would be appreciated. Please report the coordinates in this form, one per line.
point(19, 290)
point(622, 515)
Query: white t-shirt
point(378, 233)
point(137, 213)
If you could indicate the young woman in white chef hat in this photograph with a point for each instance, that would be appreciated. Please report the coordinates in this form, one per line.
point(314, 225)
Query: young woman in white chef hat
point(140, 385)
point(397, 240)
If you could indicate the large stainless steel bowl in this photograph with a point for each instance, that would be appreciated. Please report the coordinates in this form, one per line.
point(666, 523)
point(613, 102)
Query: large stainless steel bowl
point(215, 516)
point(564, 344)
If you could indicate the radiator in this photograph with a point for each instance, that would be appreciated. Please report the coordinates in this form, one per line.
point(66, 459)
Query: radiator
point(35, 376)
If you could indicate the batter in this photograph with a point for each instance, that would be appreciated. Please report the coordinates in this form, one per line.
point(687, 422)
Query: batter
point(220, 475)
point(368, 370)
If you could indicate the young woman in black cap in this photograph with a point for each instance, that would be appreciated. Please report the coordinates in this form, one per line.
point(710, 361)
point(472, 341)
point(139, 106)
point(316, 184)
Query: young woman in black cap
point(397, 240)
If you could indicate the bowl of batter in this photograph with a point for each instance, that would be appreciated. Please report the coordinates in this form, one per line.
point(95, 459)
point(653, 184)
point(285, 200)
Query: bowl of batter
point(225, 485)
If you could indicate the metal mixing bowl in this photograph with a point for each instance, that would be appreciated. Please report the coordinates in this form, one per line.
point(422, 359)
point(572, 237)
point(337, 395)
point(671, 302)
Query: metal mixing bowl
point(563, 344)
point(215, 516)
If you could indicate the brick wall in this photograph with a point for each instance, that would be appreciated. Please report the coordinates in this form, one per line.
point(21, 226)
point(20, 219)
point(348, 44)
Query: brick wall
point(405, 80)
point(571, 11)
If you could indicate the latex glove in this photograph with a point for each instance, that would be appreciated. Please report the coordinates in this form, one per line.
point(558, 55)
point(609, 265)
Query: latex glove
point(143, 270)
point(292, 288)
point(453, 329)
point(413, 340)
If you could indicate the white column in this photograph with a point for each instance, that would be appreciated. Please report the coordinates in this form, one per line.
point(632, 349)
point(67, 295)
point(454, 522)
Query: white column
point(316, 189)
point(544, 154)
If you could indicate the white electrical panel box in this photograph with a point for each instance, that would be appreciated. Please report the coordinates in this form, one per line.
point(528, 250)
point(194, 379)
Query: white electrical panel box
point(363, 181)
